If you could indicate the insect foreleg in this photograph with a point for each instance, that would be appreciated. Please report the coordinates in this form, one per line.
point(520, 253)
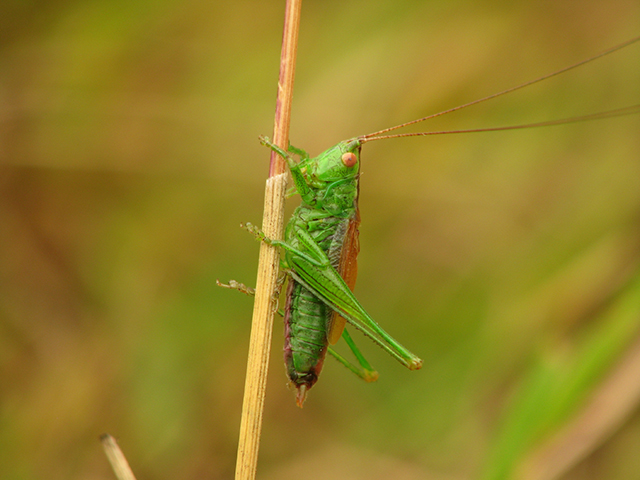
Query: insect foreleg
point(268, 143)
point(298, 177)
point(290, 161)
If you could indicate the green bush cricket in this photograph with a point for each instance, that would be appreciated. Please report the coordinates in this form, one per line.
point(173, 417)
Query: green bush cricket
point(321, 247)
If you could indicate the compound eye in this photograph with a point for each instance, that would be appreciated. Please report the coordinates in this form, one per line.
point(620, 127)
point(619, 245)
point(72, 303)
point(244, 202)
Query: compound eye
point(349, 159)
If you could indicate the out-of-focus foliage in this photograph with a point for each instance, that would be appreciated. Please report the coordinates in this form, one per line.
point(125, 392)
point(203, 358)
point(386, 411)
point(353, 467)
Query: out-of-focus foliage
point(129, 155)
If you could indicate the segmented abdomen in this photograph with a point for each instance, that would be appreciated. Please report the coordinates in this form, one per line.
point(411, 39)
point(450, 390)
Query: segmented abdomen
point(307, 319)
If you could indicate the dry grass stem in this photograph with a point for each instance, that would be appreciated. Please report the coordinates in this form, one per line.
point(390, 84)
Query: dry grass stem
point(116, 458)
point(272, 225)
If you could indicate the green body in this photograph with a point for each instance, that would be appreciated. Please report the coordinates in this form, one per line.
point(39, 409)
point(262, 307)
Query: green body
point(329, 190)
point(321, 241)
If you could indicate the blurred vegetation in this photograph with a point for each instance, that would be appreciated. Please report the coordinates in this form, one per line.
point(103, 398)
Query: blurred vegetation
point(508, 261)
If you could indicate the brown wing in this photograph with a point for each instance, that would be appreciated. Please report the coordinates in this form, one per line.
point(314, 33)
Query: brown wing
point(348, 270)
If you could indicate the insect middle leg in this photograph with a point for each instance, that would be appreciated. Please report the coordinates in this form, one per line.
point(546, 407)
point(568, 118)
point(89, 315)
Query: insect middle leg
point(315, 255)
point(241, 287)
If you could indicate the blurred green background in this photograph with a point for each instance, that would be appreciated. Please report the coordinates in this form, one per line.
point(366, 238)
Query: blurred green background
point(508, 261)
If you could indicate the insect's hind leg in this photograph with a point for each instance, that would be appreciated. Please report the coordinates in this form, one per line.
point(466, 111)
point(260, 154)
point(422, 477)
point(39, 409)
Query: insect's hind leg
point(365, 371)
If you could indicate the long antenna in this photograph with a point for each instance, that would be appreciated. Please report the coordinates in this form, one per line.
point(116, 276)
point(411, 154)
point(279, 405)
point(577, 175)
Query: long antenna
point(377, 135)
point(619, 112)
